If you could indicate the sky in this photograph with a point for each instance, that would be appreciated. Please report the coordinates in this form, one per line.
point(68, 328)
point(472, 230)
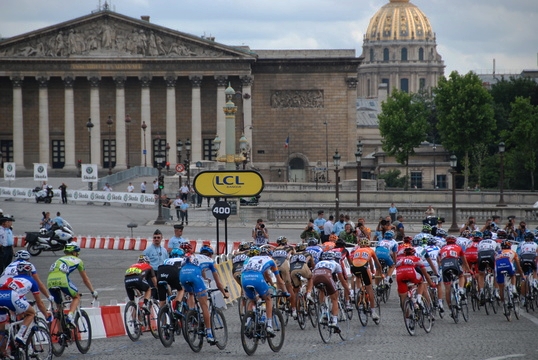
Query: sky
point(470, 33)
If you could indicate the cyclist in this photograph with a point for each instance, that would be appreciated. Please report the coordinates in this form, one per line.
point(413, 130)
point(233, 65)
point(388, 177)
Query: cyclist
point(281, 255)
point(11, 270)
point(315, 250)
point(440, 237)
point(12, 296)
point(254, 274)
point(192, 280)
point(486, 257)
point(386, 251)
point(238, 260)
point(410, 268)
point(58, 280)
point(504, 261)
point(449, 258)
point(342, 254)
point(138, 276)
point(169, 272)
point(330, 243)
point(466, 238)
point(528, 251)
point(324, 273)
point(406, 242)
point(363, 256)
point(301, 263)
point(433, 251)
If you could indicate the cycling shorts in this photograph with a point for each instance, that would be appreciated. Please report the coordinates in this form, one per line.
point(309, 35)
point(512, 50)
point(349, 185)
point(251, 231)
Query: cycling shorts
point(61, 281)
point(135, 282)
point(486, 258)
point(362, 273)
point(257, 280)
point(170, 274)
point(324, 276)
point(450, 267)
point(383, 254)
point(284, 269)
point(304, 272)
point(406, 274)
point(192, 281)
point(503, 264)
point(528, 263)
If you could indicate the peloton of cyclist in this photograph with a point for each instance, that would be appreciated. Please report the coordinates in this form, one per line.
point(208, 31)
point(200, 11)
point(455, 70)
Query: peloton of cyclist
point(138, 276)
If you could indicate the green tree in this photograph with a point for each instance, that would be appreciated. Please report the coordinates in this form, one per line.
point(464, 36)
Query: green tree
point(465, 115)
point(393, 179)
point(522, 137)
point(403, 126)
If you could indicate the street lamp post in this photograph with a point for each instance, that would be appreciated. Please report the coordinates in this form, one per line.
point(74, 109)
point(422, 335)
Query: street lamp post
point(127, 123)
point(109, 122)
point(453, 164)
point(434, 176)
point(244, 146)
point(144, 151)
point(358, 156)
point(188, 160)
point(159, 158)
point(501, 185)
point(89, 125)
point(326, 151)
point(167, 148)
point(179, 146)
point(336, 159)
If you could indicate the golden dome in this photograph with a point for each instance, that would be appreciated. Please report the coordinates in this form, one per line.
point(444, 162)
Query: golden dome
point(399, 20)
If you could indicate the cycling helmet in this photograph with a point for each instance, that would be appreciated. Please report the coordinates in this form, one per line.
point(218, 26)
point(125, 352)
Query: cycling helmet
point(431, 241)
point(282, 240)
point(417, 240)
point(528, 236)
point(266, 251)
point(466, 234)
point(441, 233)
point(407, 240)
point(501, 234)
point(300, 247)
point(487, 234)
point(427, 228)
point(143, 259)
point(206, 249)
point(22, 255)
point(244, 246)
point(333, 237)
point(329, 255)
point(364, 242)
point(177, 253)
point(186, 247)
point(312, 242)
point(409, 251)
point(71, 247)
point(24, 267)
point(389, 235)
point(477, 233)
point(451, 239)
point(340, 243)
point(254, 251)
point(506, 244)
point(337, 255)
point(42, 231)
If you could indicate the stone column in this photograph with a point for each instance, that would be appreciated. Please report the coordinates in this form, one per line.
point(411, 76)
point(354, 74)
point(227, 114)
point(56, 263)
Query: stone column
point(351, 82)
point(121, 142)
point(196, 119)
point(222, 81)
point(246, 81)
point(145, 111)
point(44, 139)
point(69, 123)
point(95, 115)
point(171, 127)
point(18, 128)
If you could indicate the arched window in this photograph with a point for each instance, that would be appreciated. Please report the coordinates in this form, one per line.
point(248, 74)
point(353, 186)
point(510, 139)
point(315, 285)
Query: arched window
point(372, 55)
point(385, 54)
point(421, 54)
point(297, 164)
point(404, 54)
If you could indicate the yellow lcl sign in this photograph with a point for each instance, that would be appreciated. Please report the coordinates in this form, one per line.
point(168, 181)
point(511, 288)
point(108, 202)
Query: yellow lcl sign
point(228, 183)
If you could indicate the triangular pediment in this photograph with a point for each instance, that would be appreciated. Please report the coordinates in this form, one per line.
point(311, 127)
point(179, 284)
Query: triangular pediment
point(106, 34)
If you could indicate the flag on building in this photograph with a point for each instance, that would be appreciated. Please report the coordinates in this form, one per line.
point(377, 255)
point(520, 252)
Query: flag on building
point(287, 143)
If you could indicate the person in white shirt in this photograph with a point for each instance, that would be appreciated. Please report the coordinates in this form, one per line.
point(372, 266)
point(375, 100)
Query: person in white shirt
point(107, 188)
point(328, 228)
point(184, 190)
point(143, 187)
point(177, 204)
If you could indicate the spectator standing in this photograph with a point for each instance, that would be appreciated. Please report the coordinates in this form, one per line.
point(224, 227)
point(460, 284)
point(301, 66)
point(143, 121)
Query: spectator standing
point(399, 227)
point(363, 229)
point(107, 188)
point(177, 203)
point(6, 240)
point(130, 189)
point(429, 211)
point(184, 212)
point(348, 235)
point(155, 187)
point(155, 252)
point(184, 190)
point(392, 212)
point(58, 220)
point(470, 225)
point(260, 233)
point(46, 221)
point(319, 222)
point(143, 187)
point(177, 239)
point(327, 229)
point(192, 193)
point(339, 225)
point(521, 231)
point(63, 193)
point(309, 231)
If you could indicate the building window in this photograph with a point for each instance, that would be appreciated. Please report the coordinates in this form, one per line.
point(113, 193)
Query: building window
point(386, 81)
point(422, 83)
point(416, 180)
point(58, 154)
point(6, 146)
point(441, 182)
point(209, 153)
point(368, 89)
point(404, 85)
point(372, 57)
point(109, 153)
point(404, 54)
point(421, 54)
point(385, 54)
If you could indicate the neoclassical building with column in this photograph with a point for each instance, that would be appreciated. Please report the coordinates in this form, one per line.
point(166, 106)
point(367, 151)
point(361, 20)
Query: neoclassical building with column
point(106, 67)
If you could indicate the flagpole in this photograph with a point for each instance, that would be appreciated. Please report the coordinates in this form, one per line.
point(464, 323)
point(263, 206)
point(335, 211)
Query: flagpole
point(288, 161)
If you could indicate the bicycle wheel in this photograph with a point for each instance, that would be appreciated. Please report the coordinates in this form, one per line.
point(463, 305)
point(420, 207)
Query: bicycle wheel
point(427, 319)
point(344, 322)
point(165, 325)
point(364, 308)
point(517, 306)
point(313, 313)
point(301, 311)
point(285, 309)
point(276, 342)
point(386, 293)
point(242, 306)
point(56, 334)
point(130, 317)
point(507, 304)
point(151, 319)
point(219, 328)
point(486, 298)
point(323, 320)
point(409, 317)
point(249, 337)
point(39, 344)
point(464, 310)
point(83, 332)
point(194, 330)
point(454, 308)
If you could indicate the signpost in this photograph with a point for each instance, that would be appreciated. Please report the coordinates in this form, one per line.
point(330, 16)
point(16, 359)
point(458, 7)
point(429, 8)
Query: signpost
point(231, 183)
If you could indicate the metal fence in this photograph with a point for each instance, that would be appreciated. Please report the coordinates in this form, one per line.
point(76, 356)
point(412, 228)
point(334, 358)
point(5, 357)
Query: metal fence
point(134, 172)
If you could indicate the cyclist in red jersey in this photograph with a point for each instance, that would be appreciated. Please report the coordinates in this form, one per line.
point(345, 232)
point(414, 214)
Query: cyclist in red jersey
point(408, 266)
point(449, 259)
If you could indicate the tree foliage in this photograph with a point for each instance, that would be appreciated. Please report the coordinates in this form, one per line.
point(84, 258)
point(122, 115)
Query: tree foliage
point(403, 126)
point(465, 115)
point(393, 179)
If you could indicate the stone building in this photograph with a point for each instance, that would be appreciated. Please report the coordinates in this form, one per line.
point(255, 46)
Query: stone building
point(114, 91)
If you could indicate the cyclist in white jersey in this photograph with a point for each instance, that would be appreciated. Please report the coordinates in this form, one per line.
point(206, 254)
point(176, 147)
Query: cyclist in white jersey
point(528, 251)
point(487, 248)
point(433, 251)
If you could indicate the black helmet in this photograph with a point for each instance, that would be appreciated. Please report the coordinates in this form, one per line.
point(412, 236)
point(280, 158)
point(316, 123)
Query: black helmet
point(506, 244)
point(529, 236)
point(501, 234)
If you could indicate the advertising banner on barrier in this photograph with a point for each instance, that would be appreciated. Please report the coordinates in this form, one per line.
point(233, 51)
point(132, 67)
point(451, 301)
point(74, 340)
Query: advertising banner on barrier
point(40, 172)
point(9, 171)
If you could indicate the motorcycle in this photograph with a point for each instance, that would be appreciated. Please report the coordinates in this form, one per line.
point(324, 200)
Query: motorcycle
point(43, 195)
point(252, 201)
point(53, 240)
